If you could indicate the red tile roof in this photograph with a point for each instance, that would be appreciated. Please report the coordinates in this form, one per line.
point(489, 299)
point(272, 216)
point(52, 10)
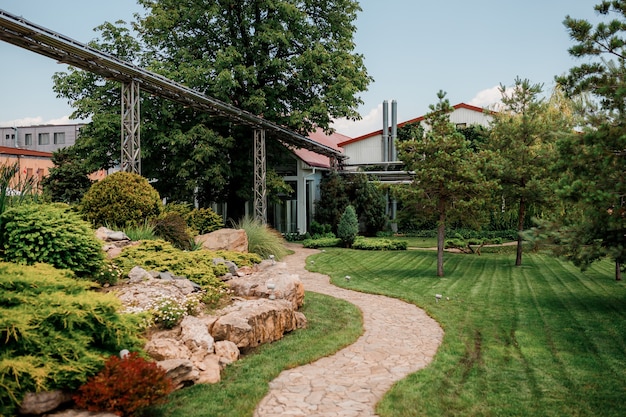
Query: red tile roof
point(7, 150)
point(314, 159)
point(417, 119)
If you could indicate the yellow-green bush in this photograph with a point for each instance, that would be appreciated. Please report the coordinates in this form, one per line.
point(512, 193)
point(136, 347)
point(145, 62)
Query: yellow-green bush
point(55, 331)
point(121, 199)
point(204, 220)
point(53, 234)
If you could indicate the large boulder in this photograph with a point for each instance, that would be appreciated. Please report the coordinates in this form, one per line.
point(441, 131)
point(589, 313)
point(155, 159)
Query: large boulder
point(42, 402)
point(224, 239)
point(250, 323)
point(271, 280)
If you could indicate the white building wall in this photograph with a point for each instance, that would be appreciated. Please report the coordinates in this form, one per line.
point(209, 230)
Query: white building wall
point(366, 151)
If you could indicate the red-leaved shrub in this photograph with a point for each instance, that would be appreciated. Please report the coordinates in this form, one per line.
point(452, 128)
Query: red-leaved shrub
point(124, 386)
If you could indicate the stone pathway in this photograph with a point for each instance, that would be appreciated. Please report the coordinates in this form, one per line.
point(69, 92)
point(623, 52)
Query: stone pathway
point(399, 339)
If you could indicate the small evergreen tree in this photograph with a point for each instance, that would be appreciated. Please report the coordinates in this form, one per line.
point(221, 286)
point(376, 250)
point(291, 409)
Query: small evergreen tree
point(348, 226)
point(68, 180)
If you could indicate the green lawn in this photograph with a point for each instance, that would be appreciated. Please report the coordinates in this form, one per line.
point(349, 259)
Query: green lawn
point(542, 339)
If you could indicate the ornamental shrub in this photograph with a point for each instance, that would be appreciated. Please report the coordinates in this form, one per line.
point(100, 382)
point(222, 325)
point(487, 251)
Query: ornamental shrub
point(55, 331)
point(348, 227)
point(204, 220)
point(262, 239)
point(173, 228)
point(53, 234)
point(125, 386)
point(121, 199)
point(379, 244)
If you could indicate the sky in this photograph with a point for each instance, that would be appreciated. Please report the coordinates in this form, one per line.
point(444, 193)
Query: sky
point(412, 50)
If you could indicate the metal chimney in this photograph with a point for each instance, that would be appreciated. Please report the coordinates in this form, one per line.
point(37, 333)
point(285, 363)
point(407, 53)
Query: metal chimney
point(385, 140)
point(394, 130)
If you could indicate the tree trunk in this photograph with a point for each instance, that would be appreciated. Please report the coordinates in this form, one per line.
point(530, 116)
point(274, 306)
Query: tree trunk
point(441, 235)
point(618, 271)
point(520, 228)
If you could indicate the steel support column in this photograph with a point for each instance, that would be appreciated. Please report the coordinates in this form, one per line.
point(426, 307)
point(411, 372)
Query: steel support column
point(131, 150)
point(260, 189)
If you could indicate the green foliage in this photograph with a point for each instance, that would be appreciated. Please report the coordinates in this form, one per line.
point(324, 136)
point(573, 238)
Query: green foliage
point(123, 199)
point(15, 192)
point(322, 242)
point(449, 183)
point(348, 227)
point(125, 386)
point(204, 220)
point(143, 231)
point(379, 244)
point(68, 180)
point(168, 311)
point(54, 331)
point(320, 230)
point(110, 273)
point(522, 147)
point(369, 203)
point(298, 88)
point(333, 200)
point(592, 163)
point(173, 228)
point(262, 239)
point(53, 234)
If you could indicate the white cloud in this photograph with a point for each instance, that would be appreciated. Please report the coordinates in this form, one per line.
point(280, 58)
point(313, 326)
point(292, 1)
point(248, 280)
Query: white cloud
point(489, 98)
point(371, 122)
point(36, 121)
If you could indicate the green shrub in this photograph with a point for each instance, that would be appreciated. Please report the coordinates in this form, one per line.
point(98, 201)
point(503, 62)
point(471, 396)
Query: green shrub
point(173, 228)
point(348, 226)
point(54, 331)
point(320, 230)
point(123, 199)
point(137, 232)
point(379, 244)
point(262, 239)
point(204, 220)
point(53, 234)
point(125, 386)
point(324, 242)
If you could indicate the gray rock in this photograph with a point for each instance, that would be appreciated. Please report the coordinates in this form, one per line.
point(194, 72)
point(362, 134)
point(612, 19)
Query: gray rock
point(43, 402)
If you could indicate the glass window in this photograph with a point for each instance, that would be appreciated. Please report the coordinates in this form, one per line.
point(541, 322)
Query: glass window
point(28, 139)
point(59, 138)
point(44, 139)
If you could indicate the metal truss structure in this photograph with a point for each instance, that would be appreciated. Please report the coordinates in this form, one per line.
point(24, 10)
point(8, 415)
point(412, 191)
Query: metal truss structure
point(20, 32)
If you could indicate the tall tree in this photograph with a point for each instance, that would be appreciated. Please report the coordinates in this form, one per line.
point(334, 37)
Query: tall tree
point(448, 177)
point(522, 138)
point(290, 61)
point(594, 161)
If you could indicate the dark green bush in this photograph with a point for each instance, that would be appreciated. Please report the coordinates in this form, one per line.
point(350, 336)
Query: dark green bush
point(324, 242)
point(379, 244)
point(54, 331)
point(173, 228)
point(348, 226)
point(121, 199)
point(204, 220)
point(53, 234)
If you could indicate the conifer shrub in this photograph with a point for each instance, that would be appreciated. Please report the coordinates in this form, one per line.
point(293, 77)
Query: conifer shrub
point(173, 228)
point(348, 226)
point(204, 220)
point(53, 234)
point(125, 386)
point(55, 331)
point(121, 199)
